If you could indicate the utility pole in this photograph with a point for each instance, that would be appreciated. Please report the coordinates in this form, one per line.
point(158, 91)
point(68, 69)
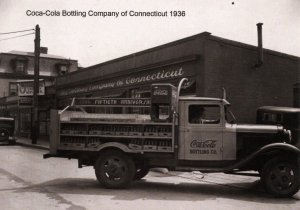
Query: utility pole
point(35, 123)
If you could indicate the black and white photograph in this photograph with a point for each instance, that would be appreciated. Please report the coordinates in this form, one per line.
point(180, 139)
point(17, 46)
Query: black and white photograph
point(136, 104)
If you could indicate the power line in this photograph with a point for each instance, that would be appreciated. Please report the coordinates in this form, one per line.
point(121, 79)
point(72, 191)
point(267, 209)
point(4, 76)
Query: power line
point(13, 32)
point(16, 36)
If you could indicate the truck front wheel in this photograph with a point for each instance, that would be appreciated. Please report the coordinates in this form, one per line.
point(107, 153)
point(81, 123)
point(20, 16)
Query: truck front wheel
point(114, 169)
point(280, 177)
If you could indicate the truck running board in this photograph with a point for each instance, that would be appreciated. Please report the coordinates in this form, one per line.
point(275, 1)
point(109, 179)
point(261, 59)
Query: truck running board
point(201, 169)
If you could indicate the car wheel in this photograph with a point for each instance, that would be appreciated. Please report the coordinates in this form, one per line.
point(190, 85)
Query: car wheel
point(114, 169)
point(4, 135)
point(280, 177)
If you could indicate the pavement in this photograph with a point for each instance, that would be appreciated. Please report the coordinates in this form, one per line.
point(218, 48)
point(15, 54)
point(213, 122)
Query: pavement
point(42, 143)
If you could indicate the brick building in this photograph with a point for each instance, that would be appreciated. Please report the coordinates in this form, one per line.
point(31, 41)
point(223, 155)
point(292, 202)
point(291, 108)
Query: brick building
point(209, 62)
point(16, 86)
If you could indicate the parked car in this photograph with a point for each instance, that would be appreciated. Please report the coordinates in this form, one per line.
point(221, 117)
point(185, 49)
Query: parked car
point(288, 117)
point(7, 130)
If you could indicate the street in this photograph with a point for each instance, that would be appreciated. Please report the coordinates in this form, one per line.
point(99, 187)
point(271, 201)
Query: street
point(27, 181)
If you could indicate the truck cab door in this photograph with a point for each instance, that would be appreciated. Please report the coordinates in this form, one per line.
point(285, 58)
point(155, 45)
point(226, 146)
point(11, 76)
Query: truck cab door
point(200, 137)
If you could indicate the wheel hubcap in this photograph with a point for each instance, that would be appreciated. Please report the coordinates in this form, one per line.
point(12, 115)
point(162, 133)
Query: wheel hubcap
point(282, 177)
point(114, 169)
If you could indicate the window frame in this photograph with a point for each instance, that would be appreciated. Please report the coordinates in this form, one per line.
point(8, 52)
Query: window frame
point(10, 89)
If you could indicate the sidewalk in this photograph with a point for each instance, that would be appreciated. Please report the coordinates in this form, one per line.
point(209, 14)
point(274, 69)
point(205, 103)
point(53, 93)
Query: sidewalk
point(42, 143)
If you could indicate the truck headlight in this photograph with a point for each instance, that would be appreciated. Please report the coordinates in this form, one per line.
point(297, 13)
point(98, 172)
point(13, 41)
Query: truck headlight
point(288, 134)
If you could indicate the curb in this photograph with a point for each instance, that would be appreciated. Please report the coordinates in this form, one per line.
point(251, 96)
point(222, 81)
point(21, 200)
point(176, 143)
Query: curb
point(36, 146)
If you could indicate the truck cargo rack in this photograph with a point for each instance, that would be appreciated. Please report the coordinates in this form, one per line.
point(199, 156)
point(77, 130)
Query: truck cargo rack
point(84, 131)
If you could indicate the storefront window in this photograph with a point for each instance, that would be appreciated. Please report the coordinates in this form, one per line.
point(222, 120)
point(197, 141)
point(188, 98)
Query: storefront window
point(25, 121)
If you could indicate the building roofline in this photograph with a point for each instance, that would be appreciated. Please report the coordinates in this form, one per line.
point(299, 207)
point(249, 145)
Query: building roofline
point(203, 34)
point(27, 76)
point(252, 47)
point(200, 35)
point(28, 55)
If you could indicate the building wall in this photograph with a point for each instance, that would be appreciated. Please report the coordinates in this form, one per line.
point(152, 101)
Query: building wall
point(217, 63)
point(231, 65)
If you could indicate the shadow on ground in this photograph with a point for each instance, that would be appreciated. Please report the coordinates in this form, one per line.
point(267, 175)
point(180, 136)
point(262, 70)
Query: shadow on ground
point(143, 189)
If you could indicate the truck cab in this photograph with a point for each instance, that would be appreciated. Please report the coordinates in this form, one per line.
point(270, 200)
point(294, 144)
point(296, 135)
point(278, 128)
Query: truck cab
point(204, 133)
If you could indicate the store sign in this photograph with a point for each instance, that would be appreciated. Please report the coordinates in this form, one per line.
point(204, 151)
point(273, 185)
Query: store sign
point(131, 102)
point(26, 88)
point(149, 77)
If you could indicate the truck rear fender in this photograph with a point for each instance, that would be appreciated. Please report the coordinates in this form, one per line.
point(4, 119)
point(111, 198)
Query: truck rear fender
point(114, 145)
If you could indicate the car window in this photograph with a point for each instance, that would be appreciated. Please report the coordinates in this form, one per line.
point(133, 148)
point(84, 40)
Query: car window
point(272, 117)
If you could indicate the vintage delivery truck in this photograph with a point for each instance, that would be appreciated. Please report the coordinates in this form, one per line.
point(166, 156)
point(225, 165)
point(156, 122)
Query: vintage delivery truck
point(180, 133)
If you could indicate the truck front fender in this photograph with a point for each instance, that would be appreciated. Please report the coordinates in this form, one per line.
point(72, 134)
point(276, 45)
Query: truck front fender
point(264, 149)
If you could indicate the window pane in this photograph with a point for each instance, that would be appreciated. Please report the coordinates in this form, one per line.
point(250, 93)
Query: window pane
point(13, 89)
point(20, 66)
point(204, 114)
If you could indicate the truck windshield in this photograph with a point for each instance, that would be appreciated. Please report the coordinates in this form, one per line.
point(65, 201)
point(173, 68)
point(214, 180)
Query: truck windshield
point(229, 117)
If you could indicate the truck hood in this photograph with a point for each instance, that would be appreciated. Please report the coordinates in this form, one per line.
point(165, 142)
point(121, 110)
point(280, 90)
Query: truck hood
point(248, 128)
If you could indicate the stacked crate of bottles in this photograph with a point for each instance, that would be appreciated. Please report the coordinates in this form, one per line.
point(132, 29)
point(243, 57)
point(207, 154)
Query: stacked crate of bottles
point(95, 129)
point(165, 131)
point(151, 130)
point(71, 135)
point(135, 130)
point(164, 145)
point(136, 144)
point(161, 138)
point(115, 130)
point(66, 129)
point(148, 137)
point(80, 129)
point(93, 142)
point(72, 141)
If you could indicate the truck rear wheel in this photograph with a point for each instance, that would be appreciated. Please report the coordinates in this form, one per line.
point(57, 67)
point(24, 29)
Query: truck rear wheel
point(114, 169)
point(280, 177)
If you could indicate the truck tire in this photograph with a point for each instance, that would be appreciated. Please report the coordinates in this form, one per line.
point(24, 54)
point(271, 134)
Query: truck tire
point(114, 169)
point(141, 173)
point(280, 177)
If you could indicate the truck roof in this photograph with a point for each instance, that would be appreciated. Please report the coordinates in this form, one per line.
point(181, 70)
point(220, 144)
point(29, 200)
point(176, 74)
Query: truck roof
point(195, 98)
